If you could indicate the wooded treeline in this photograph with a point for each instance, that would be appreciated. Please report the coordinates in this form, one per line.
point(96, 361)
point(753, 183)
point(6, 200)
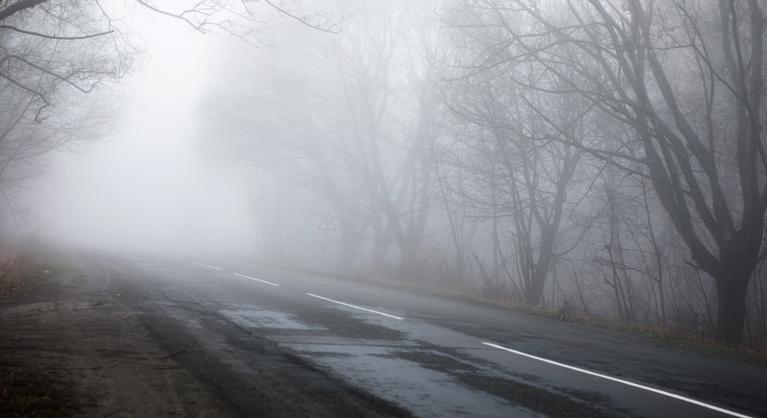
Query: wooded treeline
point(597, 157)
point(604, 157)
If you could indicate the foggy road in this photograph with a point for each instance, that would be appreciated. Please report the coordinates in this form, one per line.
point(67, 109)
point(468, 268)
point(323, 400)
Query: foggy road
point(430, 356)
point(599, 168)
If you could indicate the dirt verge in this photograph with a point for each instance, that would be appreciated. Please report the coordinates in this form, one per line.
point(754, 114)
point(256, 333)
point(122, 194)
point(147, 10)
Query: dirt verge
point(78, 340)
point(69, 348)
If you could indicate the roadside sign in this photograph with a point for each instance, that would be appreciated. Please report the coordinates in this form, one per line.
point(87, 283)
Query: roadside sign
point(327, 224)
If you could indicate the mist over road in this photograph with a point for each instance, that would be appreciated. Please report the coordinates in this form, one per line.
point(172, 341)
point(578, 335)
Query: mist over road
point(603, 161)
point(429, 356)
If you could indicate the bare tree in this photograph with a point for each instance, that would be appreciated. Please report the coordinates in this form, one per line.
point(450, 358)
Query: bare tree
point(701, 135)
point(535, 145)
point(389, 106)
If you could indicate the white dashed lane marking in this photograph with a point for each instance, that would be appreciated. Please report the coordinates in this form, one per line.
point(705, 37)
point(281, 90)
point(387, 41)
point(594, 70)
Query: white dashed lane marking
point(349, 305)
point(208, 266)
point(245, 276)
point(617, 380)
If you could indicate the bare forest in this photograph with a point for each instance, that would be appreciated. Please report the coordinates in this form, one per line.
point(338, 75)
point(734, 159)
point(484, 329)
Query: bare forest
point(599, 159)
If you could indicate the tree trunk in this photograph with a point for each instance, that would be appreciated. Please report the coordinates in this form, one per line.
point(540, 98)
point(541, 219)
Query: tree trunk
point(382, 238)
point(731, 312)
point(348, 248)
point(534, 292)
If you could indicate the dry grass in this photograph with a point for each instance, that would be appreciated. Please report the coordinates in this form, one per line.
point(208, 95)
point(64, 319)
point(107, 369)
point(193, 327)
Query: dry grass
point(663, 335)
point(682, 339)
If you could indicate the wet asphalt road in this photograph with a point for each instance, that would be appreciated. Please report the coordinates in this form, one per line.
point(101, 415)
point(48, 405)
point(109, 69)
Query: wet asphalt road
point(435, 357)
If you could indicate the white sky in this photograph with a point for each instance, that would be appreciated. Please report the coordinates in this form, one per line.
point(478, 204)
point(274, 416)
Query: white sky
point(147, 185)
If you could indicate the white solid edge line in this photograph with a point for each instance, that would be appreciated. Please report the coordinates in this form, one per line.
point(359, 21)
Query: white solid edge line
point(209, 266)
point(625, 382)
point(355, 306)
point(245, 276)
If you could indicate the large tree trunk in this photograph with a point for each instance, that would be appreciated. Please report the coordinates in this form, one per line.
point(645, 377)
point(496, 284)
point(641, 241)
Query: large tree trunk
point(534, 292)
point(731, 312)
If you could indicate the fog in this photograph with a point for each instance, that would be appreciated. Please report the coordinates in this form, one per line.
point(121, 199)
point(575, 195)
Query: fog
point(146, 185)
point(525, 155)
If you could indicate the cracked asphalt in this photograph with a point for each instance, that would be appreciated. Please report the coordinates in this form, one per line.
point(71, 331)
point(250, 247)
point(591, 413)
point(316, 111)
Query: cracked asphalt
point(398, 353)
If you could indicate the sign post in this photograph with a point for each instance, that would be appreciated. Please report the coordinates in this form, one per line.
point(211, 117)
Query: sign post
point(327, 225)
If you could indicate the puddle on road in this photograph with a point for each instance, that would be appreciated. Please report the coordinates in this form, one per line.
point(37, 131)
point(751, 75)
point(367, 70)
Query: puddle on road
point(259, 318)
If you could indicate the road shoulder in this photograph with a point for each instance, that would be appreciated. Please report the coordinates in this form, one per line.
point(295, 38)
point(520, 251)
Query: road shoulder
point(86, 341)
point(70, 348)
